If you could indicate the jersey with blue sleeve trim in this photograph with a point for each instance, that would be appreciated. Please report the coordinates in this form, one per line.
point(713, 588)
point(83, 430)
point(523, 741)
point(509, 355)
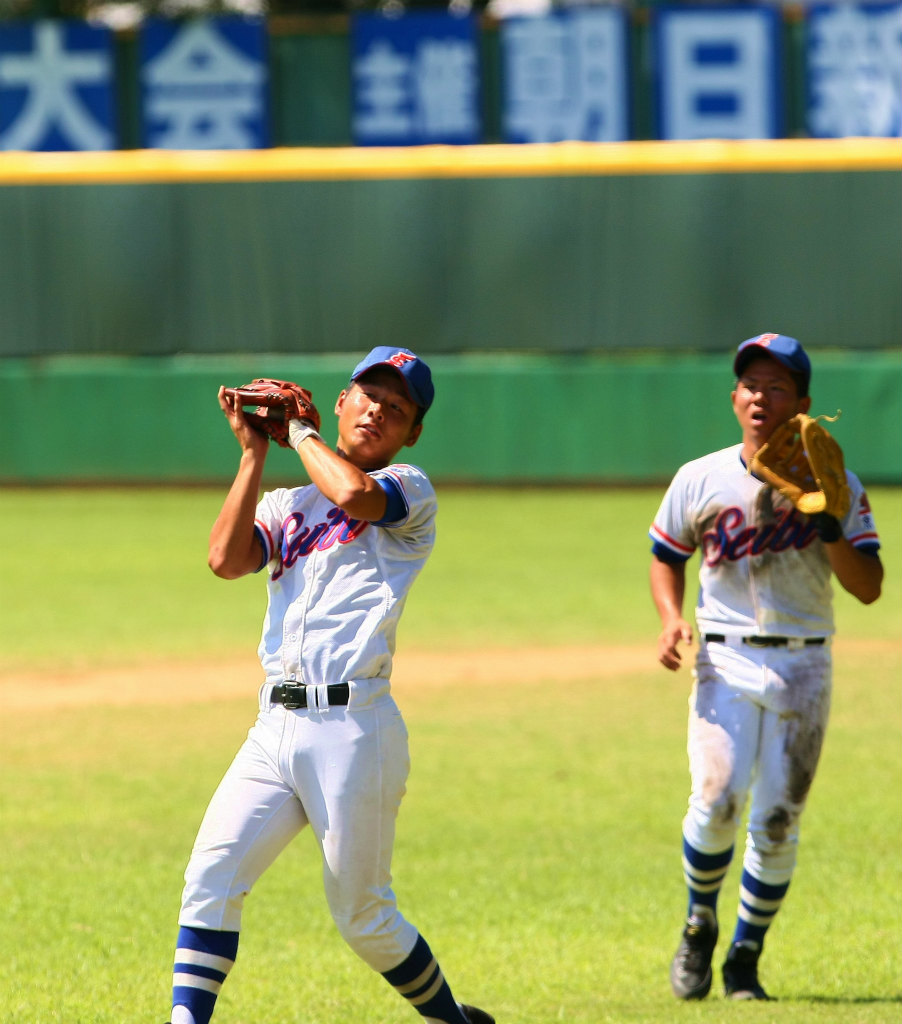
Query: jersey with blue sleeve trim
point(337, 586)
point(395, 505)
point(763, 569)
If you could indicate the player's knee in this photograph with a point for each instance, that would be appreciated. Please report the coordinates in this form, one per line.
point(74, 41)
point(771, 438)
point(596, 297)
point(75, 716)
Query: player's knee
point(214, 894)
point(711, 822)
point(775, 833)
point(377, 933)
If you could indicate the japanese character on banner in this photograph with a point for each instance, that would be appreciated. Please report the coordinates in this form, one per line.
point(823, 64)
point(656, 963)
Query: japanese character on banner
point(204, 84)
point(56, 86)
point(565, 77)
point(415, 80)
point(854, 63)
point(718, 72)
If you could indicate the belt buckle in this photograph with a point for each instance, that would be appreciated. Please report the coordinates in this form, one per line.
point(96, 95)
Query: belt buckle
point(291, 704)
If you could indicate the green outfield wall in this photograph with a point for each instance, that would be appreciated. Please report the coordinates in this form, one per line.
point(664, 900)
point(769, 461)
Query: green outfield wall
point(569, 248)
point(579, 301)
point(497, 418)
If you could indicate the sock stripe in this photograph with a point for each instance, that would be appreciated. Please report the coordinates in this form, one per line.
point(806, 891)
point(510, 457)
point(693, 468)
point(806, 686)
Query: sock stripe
point(430, 993)
point(199, 972)
point(420, 981)
point(196, 981)
point(203, 959)
point(706, 861)
point(691, 871)
point(697, 886)
point(196, 958)
point(756, 903)
point(762, 890)
point(759, 920)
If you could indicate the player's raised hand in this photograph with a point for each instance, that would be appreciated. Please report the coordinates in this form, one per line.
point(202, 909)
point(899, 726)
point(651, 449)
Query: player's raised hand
point(249, 438)
point(673, 633)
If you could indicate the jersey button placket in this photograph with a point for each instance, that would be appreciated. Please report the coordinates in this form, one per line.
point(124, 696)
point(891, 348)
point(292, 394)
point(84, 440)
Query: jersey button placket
point(310, 573)
point(292, 631)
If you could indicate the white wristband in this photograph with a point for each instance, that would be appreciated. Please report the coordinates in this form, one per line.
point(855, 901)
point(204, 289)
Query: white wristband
point(300, 430)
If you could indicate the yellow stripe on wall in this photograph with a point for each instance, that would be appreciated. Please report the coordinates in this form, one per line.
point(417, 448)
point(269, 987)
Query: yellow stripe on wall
point(495, 161)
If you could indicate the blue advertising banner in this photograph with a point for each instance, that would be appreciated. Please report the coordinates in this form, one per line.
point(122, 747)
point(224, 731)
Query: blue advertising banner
point(718, 73)
point(415, 80)
point(565, 77)
point(56, 86)
point(854, 64)
point(204, 84)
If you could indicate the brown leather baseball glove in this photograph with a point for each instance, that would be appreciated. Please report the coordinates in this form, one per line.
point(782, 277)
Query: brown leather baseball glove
point(805, 464)
point(276, 403)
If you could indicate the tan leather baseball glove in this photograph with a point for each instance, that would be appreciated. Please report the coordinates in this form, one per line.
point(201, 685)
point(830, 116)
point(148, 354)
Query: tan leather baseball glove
point(804, 462)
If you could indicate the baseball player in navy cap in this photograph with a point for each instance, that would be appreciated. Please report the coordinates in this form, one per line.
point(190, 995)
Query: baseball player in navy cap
point(414, 374)
point(762, 677)
point(328, 749)
point(782, 349)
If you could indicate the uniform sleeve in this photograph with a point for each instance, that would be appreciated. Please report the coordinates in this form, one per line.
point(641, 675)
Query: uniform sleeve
point(858, 525)
point(414, 507)
point(671, 531)
point(268, 524)
point(395, 501)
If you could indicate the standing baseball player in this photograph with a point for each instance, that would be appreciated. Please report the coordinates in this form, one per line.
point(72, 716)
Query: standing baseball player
point(761, 695)
point(329, 747)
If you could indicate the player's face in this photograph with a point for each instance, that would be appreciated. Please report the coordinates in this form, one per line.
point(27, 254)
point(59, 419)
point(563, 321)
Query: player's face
point(766, 395)
point(376, 419)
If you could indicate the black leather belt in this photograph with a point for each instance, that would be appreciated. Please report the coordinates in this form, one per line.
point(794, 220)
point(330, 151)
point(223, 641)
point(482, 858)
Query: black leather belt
point(294, 695)
point(768, 641)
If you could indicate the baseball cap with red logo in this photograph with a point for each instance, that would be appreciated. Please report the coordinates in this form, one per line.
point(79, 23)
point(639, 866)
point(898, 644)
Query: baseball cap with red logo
point(414, 373)
point(781, 347)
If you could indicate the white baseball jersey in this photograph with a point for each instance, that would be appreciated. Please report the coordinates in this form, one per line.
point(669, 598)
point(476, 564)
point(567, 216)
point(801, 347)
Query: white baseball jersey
point(337, 585)
point(763, 568)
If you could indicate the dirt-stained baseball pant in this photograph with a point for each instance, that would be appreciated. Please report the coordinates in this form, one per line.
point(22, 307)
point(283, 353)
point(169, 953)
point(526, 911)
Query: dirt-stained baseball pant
point(749, 704)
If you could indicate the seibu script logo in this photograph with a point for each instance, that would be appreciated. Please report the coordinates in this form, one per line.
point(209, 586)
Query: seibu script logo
point(729, 539)
point(299, 540)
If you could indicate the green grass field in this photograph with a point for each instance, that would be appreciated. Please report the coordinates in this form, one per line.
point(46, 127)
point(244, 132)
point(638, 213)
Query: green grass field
point(538, 847)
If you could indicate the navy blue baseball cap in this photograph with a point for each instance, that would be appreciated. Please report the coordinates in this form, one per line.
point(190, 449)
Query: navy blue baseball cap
point(781, 347)
point(414, 373)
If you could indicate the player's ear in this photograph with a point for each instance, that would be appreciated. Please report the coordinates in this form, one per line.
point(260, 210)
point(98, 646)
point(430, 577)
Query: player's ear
point(413, 436)
point(340, 401)
point(805, 404)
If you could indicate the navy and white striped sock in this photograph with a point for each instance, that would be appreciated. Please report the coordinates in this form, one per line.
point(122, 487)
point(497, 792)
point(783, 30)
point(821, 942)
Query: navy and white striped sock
point(420, 981)
point(758, 906)
point(704, 874)
point(203, 959)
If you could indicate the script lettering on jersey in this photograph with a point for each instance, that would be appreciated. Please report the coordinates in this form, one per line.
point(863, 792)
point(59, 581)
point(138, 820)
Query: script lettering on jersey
point(299, 539)
point(730, 538)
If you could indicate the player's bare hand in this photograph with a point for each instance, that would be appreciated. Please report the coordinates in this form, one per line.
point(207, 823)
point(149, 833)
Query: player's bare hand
point(249, 439)
point(670, 637)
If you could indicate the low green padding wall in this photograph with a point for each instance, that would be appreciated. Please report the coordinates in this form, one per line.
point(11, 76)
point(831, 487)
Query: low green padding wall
point(496, 418)
point(538, 264)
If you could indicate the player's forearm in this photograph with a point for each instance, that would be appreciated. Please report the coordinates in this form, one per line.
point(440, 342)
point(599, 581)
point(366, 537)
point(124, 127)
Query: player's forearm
point(234, 549)
point(343, 483)
point(668, 589)
point(859, 574)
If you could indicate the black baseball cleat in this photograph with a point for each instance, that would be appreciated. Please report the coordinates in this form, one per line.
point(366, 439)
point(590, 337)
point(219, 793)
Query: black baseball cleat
point(740, 973)
point(690, 971)
point(476, 1016)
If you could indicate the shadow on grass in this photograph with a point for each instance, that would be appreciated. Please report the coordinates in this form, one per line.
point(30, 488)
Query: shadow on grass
point(842, 1000)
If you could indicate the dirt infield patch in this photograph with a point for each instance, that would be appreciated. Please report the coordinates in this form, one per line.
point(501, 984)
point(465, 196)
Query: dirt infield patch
point(181, 681)
point(173, 682)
